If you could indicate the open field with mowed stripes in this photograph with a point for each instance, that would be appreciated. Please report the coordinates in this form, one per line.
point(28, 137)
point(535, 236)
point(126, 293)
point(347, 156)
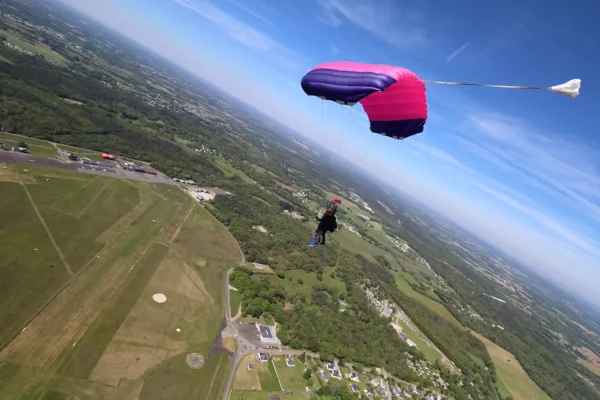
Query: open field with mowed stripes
point(82, 256)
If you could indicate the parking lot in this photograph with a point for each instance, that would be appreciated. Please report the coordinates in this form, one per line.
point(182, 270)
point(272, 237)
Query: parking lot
point(115, 172)
point(248, 332)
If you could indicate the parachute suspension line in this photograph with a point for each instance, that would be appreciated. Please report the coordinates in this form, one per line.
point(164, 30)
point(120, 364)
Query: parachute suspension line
point(323, 128)
point(327, 125)
point(376, 166)
point(315, 112)
point(358, 153)
point(366, 152)
point(338, 114)
point(355, 137)
point(353, 118)
point(331, 130)
point(570, 88)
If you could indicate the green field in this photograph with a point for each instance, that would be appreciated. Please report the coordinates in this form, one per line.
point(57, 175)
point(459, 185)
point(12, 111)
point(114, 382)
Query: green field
point(47, 53)
point(261, 170)
point(355, 244)
point(268, 379)
point(230, 171)
point(438, 308)
point(252, 395)
point(42, 152)
point(512, 376)
point(7, 137)
point(6, 60)
point(291, 377)
point(421, 341)
point(82, 257)
point(235, 298)
point(309, 280)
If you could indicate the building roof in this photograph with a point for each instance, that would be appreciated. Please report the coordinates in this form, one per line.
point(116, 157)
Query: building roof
point(265, 331)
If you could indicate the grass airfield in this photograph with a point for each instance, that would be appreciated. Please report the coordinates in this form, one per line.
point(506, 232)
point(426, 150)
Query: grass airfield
point(512, 378)
point(82, 257)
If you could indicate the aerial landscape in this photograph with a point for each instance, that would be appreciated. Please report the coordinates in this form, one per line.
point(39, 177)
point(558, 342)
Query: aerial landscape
point(155, 230)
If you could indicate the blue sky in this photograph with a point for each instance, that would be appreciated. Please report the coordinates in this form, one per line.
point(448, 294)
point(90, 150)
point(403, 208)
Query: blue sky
point(520, 168)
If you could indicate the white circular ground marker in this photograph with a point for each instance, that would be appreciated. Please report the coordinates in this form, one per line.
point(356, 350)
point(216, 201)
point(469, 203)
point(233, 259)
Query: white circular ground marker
point(178, 330)
point(159, 297)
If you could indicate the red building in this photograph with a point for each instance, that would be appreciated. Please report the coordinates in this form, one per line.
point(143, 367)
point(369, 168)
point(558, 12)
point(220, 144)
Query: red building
point(107, 156)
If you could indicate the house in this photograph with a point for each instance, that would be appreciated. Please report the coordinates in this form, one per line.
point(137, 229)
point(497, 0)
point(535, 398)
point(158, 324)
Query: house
point(336, 374)
point(369, 392)
point(353, 376)
point(325, 377)
point(354, 387)
point(383, 384)
point(250, 367)
point(375, 382)
point(290, 361)
point(262, 357)
point(330, 366)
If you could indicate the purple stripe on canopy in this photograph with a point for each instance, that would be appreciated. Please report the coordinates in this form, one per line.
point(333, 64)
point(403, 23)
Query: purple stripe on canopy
point(402, 129)
point(346, 86)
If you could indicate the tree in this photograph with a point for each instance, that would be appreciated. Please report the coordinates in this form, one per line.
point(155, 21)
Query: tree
point(307, 374)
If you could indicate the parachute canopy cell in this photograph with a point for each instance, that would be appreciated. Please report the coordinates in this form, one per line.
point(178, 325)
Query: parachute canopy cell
point(393, 97)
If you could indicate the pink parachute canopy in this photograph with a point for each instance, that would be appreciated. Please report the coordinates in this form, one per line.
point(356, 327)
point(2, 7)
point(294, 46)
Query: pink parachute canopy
point(394, 98)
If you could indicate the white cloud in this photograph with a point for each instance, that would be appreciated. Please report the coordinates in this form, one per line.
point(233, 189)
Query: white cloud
point(565, 257)
point(243, 6)
point(236, 29)
point(456, 52)
point(520, 203)
point(377, 17)
point(335, 50)
point(567, 166)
